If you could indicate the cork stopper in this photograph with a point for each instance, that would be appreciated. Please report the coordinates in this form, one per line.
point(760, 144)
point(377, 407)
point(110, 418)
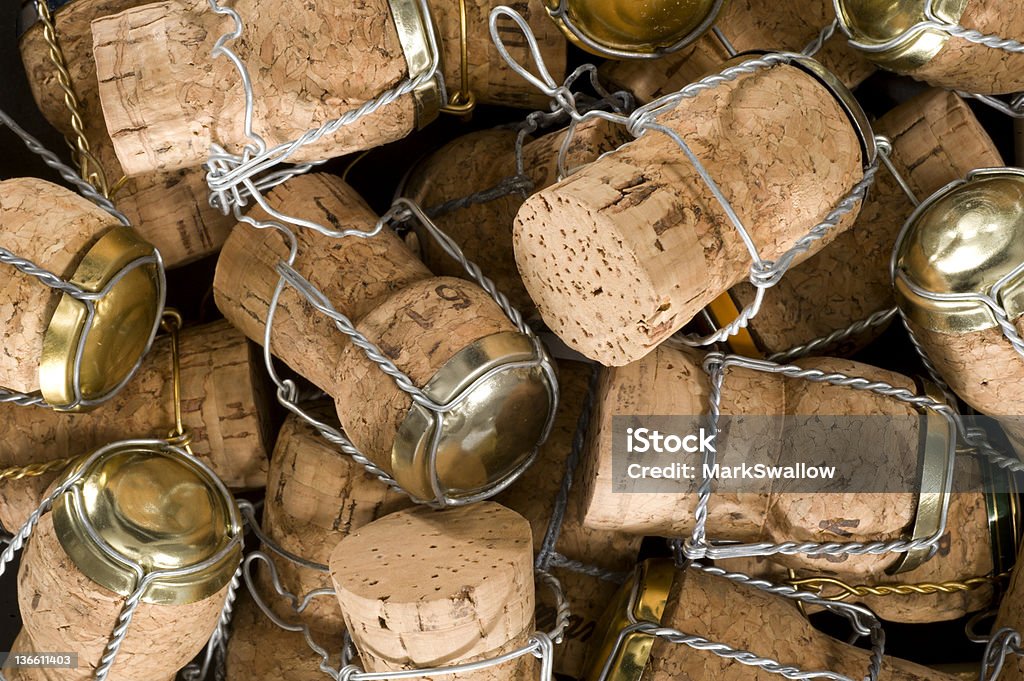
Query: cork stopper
point(936, 139)
point(165, 99)
point(171, 211)
point(533, 496)
point(63, 609)
point(1011, 614)
point(479, 161)
point(29, 209)
point(660, 246)
point(421, 588)
point(747, 25)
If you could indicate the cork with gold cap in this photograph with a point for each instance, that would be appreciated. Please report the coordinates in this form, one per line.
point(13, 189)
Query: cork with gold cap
point(75, 335)
point(136, 522)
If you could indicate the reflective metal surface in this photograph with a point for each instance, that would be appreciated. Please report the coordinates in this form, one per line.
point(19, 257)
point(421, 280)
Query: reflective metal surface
point(889, 32)
point(412, 29)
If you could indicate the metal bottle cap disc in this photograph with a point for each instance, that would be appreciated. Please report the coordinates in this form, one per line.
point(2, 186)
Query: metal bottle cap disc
point(884, 29)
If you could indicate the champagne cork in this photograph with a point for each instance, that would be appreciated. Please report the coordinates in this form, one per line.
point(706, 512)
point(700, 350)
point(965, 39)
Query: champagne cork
point(777, 409)
point(964, 239)
point(743, 618)
point(935, 140)
point(747, 25)
point(66, 591)
point(166, 99)
point(441, 332)
point(479, 161)
point(534, 495)
point(316, 496)
point(170, 210)
point(935, 56)
point(424, 589)
point(224, 408)
point(623, 253)
point(1011, 614)
point(42, 326)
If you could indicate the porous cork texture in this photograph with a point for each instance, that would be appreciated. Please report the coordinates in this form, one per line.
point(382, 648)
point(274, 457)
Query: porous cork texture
point(671, 381)
point(984, 370)
point(224, 407)
point(623, 253)
point(316, 496)
point(165, 98)
point(421, 588)
point(533, 495)
point(29, 209)
point(746, 618)
point(480, 161)
point(936, 139)
point(169, 210)
point(1011, 614)
point(747, 25)
point(963, 65)
point(62, 609)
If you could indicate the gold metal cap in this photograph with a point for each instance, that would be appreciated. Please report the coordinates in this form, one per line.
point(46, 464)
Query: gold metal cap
point(153, 506)
point(962, 241)
point(492, 434)
point(616, 657)
point(623, 29)
point(885, 29)
point(126, 321)
point(1005, 522)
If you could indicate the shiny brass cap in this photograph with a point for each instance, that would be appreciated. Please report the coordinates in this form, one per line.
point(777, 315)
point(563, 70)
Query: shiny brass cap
point(125, 323)
point(152, 506)
point(624, 29)
point(616, 657)
point(1005, 522)
point(962, 241)
point(491, 435)
point(885, 29)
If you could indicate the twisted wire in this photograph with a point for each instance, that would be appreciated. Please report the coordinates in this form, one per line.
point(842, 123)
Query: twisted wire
point(35, 470)
point(882, 590)
point(875, 320)
point(1003, 642)
point(695, 545)
point(556, 559)
point(120, 631)
point(819, 41)
point(34, 399)
point(214, 656)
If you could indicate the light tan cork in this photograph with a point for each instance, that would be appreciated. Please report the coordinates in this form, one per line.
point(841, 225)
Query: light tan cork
point(224, 406)
point(165, 98)
point(671, 381)
point(62, 609)
point(747, 618)
point(963, 65)
point(480, 161)
point(170, 210)
point(29, 211)
point(316, 495)
point(1011, 614)
point(418, 321)
point(259, 649)
point(620, 255)
point(747, 25)
point(936, 139)
point(533, 495)
point(421, 588)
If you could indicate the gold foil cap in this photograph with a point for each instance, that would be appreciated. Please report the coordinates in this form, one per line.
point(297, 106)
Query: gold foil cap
point(148, 505)
point(959, 244)
point(624, 29)
point(616, 657)
point(887, 30)
point(122, 329)
point(505, 401)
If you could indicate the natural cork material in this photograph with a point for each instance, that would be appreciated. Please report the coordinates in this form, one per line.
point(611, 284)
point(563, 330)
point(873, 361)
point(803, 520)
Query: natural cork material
point(936, 139)
point(747, 25)
point(533, 495)
point(224, 407)
point(746, 618)
point(421, 588)
point(963, 65)
point(170, 210)
point(62, 609)
point(166, 99)
point(418, 321)
point(480, 161)
point(29, 209)
point(316, 496)
point(1011, 614)
point(672, 382)
point(623, 253)
point(984, 370)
